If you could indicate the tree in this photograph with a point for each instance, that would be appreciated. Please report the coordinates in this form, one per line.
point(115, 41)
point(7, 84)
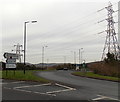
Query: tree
point(110, 58)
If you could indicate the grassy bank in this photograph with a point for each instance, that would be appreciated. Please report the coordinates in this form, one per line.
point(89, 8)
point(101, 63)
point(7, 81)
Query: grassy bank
point(19, 75)
point(96, 76)
point(104, 68)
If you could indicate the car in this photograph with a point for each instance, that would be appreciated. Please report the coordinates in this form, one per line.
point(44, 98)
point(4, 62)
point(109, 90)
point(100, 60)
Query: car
point(65, 68)
point(59, 69)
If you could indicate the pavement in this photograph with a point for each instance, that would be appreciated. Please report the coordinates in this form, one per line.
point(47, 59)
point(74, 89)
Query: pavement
point(64, 87)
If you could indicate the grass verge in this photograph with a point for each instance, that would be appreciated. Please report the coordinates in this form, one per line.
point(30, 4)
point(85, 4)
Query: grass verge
point(96, 76)
point(19, 75)
point(0, 74)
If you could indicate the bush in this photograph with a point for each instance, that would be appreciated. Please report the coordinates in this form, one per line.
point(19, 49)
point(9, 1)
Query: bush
point(21, 66)
point(107, 69)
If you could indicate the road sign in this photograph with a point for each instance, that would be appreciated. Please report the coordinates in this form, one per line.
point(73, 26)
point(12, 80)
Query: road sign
point(11, 55)
point(12, 61)
point(10, 65)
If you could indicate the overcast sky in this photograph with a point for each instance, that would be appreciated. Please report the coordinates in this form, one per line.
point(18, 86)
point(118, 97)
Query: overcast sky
point(64, 26)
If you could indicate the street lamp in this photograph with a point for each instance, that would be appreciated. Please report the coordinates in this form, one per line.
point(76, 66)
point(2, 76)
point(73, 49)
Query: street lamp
point(43, 56)
point(64, 60)
point(80, 55)
point(25, 23)
point(73, 56)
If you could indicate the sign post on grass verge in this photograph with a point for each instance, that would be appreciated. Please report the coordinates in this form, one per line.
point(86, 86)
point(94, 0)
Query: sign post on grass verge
point(10, 61)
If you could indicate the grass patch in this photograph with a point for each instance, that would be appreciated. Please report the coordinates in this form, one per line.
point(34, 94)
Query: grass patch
point(0, 74)
point(96, 76)
point(19, 75)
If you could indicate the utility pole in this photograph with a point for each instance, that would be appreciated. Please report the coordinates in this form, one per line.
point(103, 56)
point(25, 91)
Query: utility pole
point(111, 44)
point(18, 50)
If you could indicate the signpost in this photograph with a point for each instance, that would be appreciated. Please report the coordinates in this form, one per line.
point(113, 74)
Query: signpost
point(11, 55)
point(10, 65)
point(11, 61)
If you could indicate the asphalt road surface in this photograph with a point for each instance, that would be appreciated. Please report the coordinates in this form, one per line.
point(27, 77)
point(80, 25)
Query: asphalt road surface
point(64, 87)
point(86, 88)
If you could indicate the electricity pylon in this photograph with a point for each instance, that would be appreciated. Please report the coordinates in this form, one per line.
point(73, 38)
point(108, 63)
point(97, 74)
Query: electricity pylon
point(111, 43)
point(18, 50)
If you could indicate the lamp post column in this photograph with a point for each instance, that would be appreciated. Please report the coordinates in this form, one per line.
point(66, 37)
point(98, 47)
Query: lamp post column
point(25, 23)
point(24, 43)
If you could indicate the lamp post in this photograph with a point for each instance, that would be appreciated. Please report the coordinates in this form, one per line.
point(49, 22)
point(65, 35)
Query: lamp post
point(64, 60)
point(25, 23)
point(80, 55)
point(43, 56)
point(75, 59)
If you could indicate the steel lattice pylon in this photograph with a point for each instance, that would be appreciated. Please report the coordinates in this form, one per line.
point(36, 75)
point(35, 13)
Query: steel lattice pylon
point(18, 50)
point(111, 42)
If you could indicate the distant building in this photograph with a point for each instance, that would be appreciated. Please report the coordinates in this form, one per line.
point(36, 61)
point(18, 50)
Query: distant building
point(119, 22)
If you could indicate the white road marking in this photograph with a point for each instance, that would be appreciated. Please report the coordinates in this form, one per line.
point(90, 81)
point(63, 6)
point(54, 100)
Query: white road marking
point(3, 83)
point(23, 90)
point(32, 86)
point(67, 88)
point(110, 98)
point(19, 89)
point(16, 82)
point(7, 88)
point(58, 91)
point(35, 92)
point(46, 93)
point(103, 97)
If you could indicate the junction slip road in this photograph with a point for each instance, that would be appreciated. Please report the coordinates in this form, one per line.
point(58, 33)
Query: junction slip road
point(64, 86)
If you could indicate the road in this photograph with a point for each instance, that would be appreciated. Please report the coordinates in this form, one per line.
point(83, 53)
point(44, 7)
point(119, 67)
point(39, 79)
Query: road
point(64, 87)
point(86, 88)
